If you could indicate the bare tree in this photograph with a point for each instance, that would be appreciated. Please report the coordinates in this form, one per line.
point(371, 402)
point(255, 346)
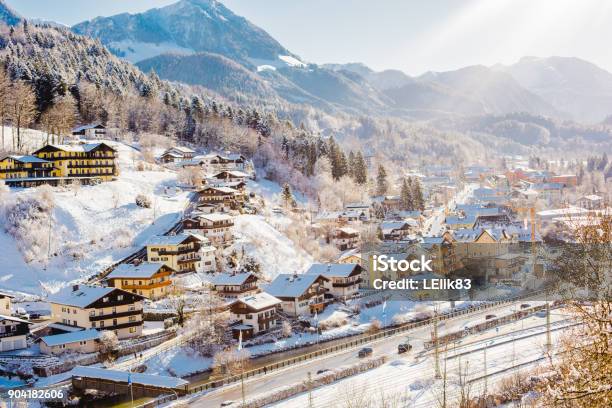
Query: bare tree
point(4, 100)
point(22, 108)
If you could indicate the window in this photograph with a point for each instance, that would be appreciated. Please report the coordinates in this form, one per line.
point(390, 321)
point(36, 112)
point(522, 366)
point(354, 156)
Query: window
point(249, 316)
point(93, 324)
point(132, 330)
point(114, 310)
point(102, 323)
point(132, 308)
point(92, 312)
point(105, 299)
point(120, 297)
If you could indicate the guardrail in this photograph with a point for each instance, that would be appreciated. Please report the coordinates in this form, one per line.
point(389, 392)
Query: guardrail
point(358, 340)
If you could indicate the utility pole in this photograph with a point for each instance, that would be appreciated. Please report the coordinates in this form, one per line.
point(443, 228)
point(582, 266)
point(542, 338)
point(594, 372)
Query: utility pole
point(548, 340)
point(486, 382)
point(310, 402)
point(436, 352)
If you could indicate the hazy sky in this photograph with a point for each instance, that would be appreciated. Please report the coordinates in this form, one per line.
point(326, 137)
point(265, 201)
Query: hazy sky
point(412, 35)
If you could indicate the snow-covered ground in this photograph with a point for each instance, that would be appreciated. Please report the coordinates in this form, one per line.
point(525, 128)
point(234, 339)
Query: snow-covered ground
point(93, 226)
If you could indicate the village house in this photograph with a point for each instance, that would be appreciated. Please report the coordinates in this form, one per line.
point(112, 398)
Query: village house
point(364, 210)
point(177, 154)
point(17, 170)
point(5, 303)
point(344, 279)
point(82, 341)
point(394, 230)
point(90, 131)
point(13, 333)
point(220, 196)
point(345, 238)
point(216, 227)
point(215, 163)
point(231, 175)
point(181, 252)
point(232, 286)
point(54, 164)
point(255, 314)
point(456, 223)
point(151, 280)
point(300, 294)
point(97, 307)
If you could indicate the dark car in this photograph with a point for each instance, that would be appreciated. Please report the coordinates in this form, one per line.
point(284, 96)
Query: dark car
point(365, 352)
point(525, 305)
point(404, 348)
point(322, 371)
point(490, 316)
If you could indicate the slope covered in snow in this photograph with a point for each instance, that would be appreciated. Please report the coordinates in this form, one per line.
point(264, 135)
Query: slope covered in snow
point(92, 226)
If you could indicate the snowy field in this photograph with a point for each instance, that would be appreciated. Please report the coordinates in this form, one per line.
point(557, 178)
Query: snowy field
point(93, 226)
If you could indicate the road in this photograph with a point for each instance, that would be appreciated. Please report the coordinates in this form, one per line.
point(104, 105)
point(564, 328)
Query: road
point(410, 378)
point(434, 224)
point(299, 372)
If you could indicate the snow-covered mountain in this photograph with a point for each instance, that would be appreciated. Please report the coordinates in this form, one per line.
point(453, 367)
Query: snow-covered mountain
point(571, 85)
point(8, 15)
point(185, 27)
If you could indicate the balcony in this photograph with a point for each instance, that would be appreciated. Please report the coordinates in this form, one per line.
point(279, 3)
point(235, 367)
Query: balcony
point(189, 260)
point(262, 319)
point(162, 252)
point(346, 284)
point(115, 315)
point(19, 331)
point(148, 286)
point(122, 325)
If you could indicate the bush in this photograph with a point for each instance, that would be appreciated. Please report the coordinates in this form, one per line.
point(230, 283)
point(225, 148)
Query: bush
point(143, 201)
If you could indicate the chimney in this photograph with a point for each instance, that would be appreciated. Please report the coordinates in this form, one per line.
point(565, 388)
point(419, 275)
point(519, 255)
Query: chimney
point(75, 288)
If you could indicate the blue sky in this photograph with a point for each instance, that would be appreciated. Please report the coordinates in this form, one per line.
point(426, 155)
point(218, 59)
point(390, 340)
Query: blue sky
point(411, 35)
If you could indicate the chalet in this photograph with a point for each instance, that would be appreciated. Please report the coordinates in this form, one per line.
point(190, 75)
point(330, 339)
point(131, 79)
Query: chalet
point(90, 131)
point(26, 170)
point(182, 252)
point(5, 303)
point(96, 307)
point(345, 238)
point(394, 230)
point(455, 223)
point(216, 227)
point(13, 333)
point(177, 154)
point(300, 294)
point(231, 175)
point(255, 313)
point(232, 286)
point(225, 196)
point(151, 280)
point(215, 163)
point(486, 251)
point(344, 279)
point(82, 341)
point(362, 209)
point(84, 162)
point(239, 186)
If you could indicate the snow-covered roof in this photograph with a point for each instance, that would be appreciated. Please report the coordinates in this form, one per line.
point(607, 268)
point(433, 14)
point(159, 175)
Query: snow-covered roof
point(389, 226)
point(144, 270)
point(14, 319)
point(64, 327)
point(333, 270)
point(350, 252)
point(215, 217)
point(159, 381)
point(87, 147)
point(290, 285)
point(81, 297)
point(65, 338)
point(88, 126)
point(168, 239)
point(182, 149)
point(460, 220)
point(259, 301)
point(348, 230)
point(169, 153)
point(221, 189)
point(592, 197)
point(28, 159)
point(229, 279)
point(234, 173)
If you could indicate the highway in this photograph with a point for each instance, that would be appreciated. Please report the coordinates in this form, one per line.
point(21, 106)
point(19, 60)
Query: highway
point(299, 372)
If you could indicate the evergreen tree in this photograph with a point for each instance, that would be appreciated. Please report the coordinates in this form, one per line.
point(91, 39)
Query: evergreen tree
point(417, 196)
point(406, 201)
point(351, 164)
point(287, 196)
point(381, 181)
point(360, 172)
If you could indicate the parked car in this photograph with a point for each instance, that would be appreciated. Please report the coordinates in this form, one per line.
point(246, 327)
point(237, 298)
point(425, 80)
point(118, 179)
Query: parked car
point(490, 316)
point(525, 305)
point(404, 348)
point(226, 403)
point(322, 371)
point(365, 352)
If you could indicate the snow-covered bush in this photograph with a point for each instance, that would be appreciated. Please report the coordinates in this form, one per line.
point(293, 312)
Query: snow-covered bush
point(287, 331)
point(143, 201)
point(109, 344)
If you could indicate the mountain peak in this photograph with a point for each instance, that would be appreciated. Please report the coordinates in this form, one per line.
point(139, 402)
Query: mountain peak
point(8, 15)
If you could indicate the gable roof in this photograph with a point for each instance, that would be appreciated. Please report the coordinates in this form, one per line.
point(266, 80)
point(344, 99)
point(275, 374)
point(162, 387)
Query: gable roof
point(88, 126)
point(334, 270)
point(144, 270)
point(73, 337)
point(27, 159)
point(84, 295)
point(259, 301)
point(87, 147)
point(169, 239)
point(229, 279)
point(290, 285)
point(14, 319)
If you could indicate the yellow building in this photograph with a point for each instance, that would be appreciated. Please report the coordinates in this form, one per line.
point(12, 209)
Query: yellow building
point(5, 304)
point(96, 307)
point(83, 161)
point(20, 168)
point(181, 252)
point(151, 280)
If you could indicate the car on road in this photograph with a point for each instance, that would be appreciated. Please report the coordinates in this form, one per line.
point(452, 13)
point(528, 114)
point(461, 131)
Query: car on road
point(365, 352)
point(226, 403)
point(525, 305)
point(404, 348)
point(324, 370)
point(490, 316)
